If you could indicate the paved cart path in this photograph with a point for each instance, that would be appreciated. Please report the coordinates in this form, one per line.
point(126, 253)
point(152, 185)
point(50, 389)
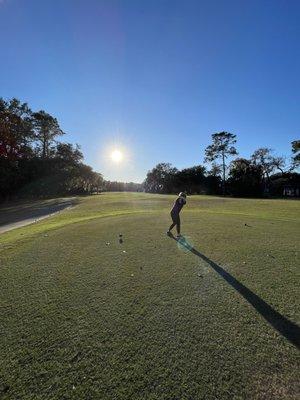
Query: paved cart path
point(18, 215)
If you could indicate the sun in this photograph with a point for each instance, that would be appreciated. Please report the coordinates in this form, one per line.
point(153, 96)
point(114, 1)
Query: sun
point(116, 156)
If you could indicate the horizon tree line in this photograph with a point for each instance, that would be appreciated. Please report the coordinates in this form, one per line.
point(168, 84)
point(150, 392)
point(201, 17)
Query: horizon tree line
point(263, 174)
point(34, 162)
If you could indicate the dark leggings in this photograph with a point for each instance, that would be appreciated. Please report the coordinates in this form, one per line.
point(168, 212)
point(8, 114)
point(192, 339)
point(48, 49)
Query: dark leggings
point(176, 222)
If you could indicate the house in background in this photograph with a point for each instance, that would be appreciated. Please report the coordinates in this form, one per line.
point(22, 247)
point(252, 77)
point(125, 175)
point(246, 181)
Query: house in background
point(291, 191)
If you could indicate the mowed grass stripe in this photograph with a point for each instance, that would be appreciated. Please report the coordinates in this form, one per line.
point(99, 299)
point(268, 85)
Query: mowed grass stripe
point(57, 223)
point(88, 209)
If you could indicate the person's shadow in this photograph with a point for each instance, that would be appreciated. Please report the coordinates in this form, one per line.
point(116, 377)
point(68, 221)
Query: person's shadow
point(285, 327)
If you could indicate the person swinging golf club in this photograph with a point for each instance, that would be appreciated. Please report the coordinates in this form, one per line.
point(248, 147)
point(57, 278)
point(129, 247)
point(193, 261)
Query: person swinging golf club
point(178, 204)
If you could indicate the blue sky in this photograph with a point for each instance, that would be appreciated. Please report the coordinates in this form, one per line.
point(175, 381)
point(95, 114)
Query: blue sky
point(156, 77)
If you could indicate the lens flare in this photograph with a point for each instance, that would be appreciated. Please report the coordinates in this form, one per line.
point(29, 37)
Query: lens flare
point(185, 244)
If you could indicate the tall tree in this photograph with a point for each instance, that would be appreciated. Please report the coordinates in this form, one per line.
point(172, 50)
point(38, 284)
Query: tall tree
point(47, 169)
point(296, 152)
point(68, 153)
point(98, 182)
point(161, 179)
point(191, 180)
point(279, 163)
point(244, 178)
point(15, 129)
point(221, 148)
point(264, 159)
point(215, 170)
point(46, 130)
point(268, 163)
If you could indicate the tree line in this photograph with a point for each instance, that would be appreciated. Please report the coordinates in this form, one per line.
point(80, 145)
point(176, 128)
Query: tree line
point(263, 174)
point(33, 162)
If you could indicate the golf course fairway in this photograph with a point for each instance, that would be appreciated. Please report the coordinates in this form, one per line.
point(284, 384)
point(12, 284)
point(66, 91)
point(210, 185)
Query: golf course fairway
point(216, 317)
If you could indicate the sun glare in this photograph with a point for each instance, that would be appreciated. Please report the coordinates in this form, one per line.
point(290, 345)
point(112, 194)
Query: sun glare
point(116, 156)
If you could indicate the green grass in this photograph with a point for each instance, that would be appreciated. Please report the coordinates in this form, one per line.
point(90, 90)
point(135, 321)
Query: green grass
point(80, 319)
